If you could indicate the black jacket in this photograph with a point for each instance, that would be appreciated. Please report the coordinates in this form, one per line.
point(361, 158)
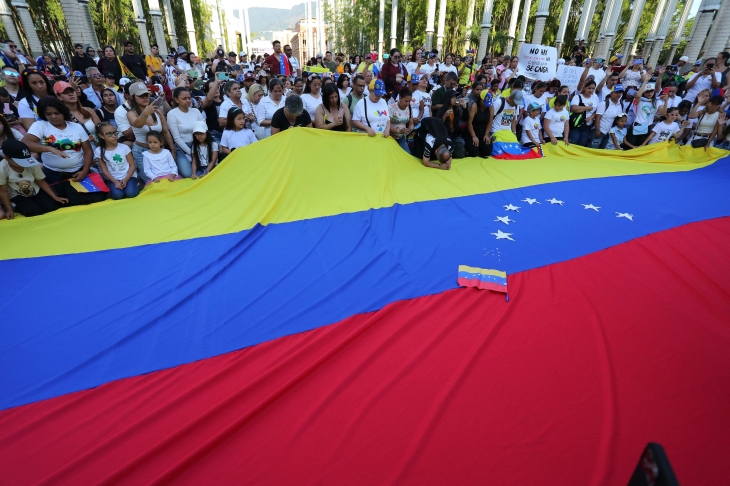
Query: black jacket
point(79, 63)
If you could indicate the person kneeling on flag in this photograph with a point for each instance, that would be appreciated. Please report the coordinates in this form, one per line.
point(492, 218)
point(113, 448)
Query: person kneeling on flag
point(432, 144)
point(23, 183)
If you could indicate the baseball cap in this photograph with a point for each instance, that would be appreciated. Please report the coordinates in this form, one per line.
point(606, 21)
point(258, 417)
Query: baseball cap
point(631, 92)
point(533, 106)
point(673, 67)
point(231, 54)
point(319, 56)
point(684, 58)
point(698, 62)
point(516, 96)
point(561, 61)
point(138, 89)
point(378, 87)
point(248, 75)
point(368, 56)
point(128, 43)
point(19, 152)
point(414, 78)
point(650, 87)
point(109, 75)
point(386, 56)
point(181, 50)
point(241, 54)
point(618, 87)
point(60, 87)
point(200, 127)
point(124, 80)
point(599, 60)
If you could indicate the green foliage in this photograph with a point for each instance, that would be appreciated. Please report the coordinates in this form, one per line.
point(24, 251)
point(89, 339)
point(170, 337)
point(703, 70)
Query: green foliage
point(114, 22)
point(50, 26)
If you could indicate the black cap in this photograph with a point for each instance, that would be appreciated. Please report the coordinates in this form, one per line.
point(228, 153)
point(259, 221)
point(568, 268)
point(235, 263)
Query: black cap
point(128, 42)
point(109, 75)
point(232, 54)
point(19, 152)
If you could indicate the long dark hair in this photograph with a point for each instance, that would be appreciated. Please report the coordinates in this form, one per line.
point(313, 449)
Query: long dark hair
point(458, 112)
point(328, 90)
point(24, 81)
point(342, 79)
point(53, 102)
point(116, 101)
point(7, 131)
point(310, 78)
point(232, 114)
point(138, 110)
point(208, 144)
point(101, 142)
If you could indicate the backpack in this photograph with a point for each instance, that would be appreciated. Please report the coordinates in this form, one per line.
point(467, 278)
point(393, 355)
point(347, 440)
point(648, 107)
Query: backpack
point(578, 120)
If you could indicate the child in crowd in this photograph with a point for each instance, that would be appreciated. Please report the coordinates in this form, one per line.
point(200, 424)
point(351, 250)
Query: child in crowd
point(158, 163)
point(236, 134)
point(116, 162)
point(617, 134)
point(205, 150)
point(667, 128)
point(556, 124)
point(531, 132)
point(23, 183)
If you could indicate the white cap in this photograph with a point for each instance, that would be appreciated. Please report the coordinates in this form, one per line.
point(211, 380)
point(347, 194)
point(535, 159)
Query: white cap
point(200, 127)
point(123, 81)
point(241, 54)
point(684, 58)
point(650, 87)
point(561, 61)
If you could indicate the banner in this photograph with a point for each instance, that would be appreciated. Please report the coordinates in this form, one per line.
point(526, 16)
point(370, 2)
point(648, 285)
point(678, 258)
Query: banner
point(537, 62)
point(570, 75)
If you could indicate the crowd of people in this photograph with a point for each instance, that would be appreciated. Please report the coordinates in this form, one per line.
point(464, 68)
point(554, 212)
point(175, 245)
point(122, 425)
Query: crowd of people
point(136, 120)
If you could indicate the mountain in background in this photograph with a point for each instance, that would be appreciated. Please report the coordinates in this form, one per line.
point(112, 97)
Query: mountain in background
point(264, 20)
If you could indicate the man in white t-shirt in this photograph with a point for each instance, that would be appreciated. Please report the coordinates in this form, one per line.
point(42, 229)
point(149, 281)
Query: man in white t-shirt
point(505, 112)
point(371, 113)
point(597, 70)
point(294, 62)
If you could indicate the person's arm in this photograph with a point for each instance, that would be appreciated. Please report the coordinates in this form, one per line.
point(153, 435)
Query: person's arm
point(491, 119)
point(88, 159)
point(601, 85)
point(210, 95)
point(662, 110)
point(717, 130)
point(470, 127)
point(714, 80)
point(363, 127)
point(5, 199)
point(514, 123)
point(695, 112)
point(644, 80)
point(132, 168)
point(684, 125)
point(138, 121)
point(386, 130)
point(616, 145)
point(576, 108)
point(652, 134)
point(597, 123)
point(168, 138)
point(566, 132)
point(623, 72)
point(582, 79)
point(546, 127)
point(348, 120)
point(173, 123)
point(35, 146)
point(319, 119)
point(528, 132)
point(692, 81)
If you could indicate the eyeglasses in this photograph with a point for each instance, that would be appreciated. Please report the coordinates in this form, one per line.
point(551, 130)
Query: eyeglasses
point(111, 134)
point(97, 76)
point(11, 73)
point(12, 46)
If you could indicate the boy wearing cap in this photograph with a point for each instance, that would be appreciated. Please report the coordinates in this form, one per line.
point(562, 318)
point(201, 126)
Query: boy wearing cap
point(23, 183)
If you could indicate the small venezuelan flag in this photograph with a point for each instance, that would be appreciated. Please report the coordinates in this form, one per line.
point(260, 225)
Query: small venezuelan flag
point(482, 278)
point(91, 183)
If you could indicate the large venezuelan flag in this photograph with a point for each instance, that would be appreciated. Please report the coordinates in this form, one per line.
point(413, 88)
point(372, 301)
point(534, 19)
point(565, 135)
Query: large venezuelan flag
point(297, 320)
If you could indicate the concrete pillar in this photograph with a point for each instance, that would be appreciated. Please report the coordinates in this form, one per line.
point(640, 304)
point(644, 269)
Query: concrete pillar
point(170, 25)
point(156, 15)
point(381, 28)
point(649, 42)
point(310, 37)
point(34, 43)
point(680, 29)
point(485, 27)
point(513, 26)
point(141, 25)
point(563, 24)
point(636, 12)
point(88, 32)
point(72, 15)
point(393, 22)
point(321, 30)
point(469, 21)
point(661, 34)
point(543, 10)
point(611, 27)
point(406, 29)
point(719, 33)
point(190, 26)
point(430, 16)
point(440, 31)
point(586, 18)
point(248, 33)
point(703, 21)
point(523, 25)
point(6, 15)
point(220, 38)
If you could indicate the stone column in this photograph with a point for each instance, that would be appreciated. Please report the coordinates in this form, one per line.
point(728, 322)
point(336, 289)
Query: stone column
point(34, 43)
point(563, 24)
point(680, 29)
point(393, 23)
point(649, 42)
point(512, 27)
point(703, 21)
point(406, 29)
point(661, 34)
point(440, 31)
point(170, 24)
point(523, 25)
point(485, 28)
point(543, 10)
point(638, 8)
point(610, 33)
point(469, 21)
point(586, 17)
point(141, 25)
point(321, 34)
point(720, 31)
point(73, 19)
point(8, 22)
point(190, 26)
point(248, 33)
point(431, 14)
point(156, 15)
point(381, 28)
point(88, 33)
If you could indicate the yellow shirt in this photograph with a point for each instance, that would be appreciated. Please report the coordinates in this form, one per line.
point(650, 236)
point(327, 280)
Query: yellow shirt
point(153, 62)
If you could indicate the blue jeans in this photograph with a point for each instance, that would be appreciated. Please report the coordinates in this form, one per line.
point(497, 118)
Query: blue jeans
point(137, 154)
point(403, 143)
point(184, 166)
point(129, 191)
point(581, 136)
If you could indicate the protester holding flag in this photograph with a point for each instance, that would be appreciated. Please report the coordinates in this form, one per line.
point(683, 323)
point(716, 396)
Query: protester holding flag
point(277, 63)
point(110, 63)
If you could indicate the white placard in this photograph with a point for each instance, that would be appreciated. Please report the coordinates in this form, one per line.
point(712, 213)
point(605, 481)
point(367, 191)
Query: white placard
point(570, 76)
point(537, 62)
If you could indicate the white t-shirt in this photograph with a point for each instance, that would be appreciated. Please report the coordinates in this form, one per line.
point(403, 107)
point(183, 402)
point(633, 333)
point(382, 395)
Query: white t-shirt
point(24, 110)
point(608, 115)
point(530, 125)
point(598, 75)
point(68, 140)
point(503, 120)
point(227, 105)
point(120, 116)
point(156, 165)
point(591, 101)
point(632, 79)
point(530, 98)
point(557, 121)
point(444, 68)
point(377, 114)
point(269, 107)
point(427, 69)
point(419, 95)
point(311, 103)
point(203, 153)
point(116, 161)
point(703, 82)
point(645, 110)
point(663, 132)
point(233, 139)
point(181, 127)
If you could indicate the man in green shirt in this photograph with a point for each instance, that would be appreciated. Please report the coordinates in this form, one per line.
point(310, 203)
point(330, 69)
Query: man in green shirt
point(328, 62)
point(357, 93)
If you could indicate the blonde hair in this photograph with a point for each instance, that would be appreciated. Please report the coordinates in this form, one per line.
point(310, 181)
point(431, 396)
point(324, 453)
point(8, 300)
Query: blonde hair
point(255, 88)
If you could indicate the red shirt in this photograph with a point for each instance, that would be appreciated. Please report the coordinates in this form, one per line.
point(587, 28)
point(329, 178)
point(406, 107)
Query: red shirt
point(274, 64)
point(388, 73)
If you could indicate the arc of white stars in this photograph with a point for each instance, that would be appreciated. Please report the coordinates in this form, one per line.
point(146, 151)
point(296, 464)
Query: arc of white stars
point(590, 206)
point(505, 220)
point(628, 216)
point(512, 207)
point(502, 235)
point(530, 201)
point(554, 201)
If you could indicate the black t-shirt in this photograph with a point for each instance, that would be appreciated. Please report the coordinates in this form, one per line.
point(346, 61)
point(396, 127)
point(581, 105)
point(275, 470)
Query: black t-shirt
point(280, 121)
point(19, 96)
point(136, 64)
point(579, 57)
point(211, 116)
point(105, 115)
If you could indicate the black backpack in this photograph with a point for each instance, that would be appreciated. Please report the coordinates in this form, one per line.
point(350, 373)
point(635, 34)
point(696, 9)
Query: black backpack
point(578, 120)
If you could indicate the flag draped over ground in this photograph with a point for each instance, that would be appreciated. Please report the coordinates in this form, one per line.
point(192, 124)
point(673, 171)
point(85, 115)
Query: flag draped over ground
point(299, 320)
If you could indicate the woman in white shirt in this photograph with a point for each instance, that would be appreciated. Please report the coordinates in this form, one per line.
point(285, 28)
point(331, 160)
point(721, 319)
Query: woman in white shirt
point(343, 84)
point(271, 103)
point(254, 109)
point(586, 102)
point(36, 86)
point(312, 96)
point(181, 121)
point(447, 65)
point(646, 107)
point(630, 77)
point(705, 79)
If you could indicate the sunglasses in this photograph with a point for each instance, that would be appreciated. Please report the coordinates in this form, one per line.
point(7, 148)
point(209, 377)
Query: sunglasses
point(143, 95)
point(97, 76)
point(111, 134)
point(11, 73)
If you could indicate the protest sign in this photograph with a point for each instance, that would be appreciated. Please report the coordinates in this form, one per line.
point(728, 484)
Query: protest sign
point(537, 62)
point(570, 75)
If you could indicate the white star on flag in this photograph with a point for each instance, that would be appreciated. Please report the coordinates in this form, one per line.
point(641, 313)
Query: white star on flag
point(503, 236)
point(510, 207)
point(554, 201)
point(505, 220)
point(628, 216)
point(590, 206)
point(530, 201)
